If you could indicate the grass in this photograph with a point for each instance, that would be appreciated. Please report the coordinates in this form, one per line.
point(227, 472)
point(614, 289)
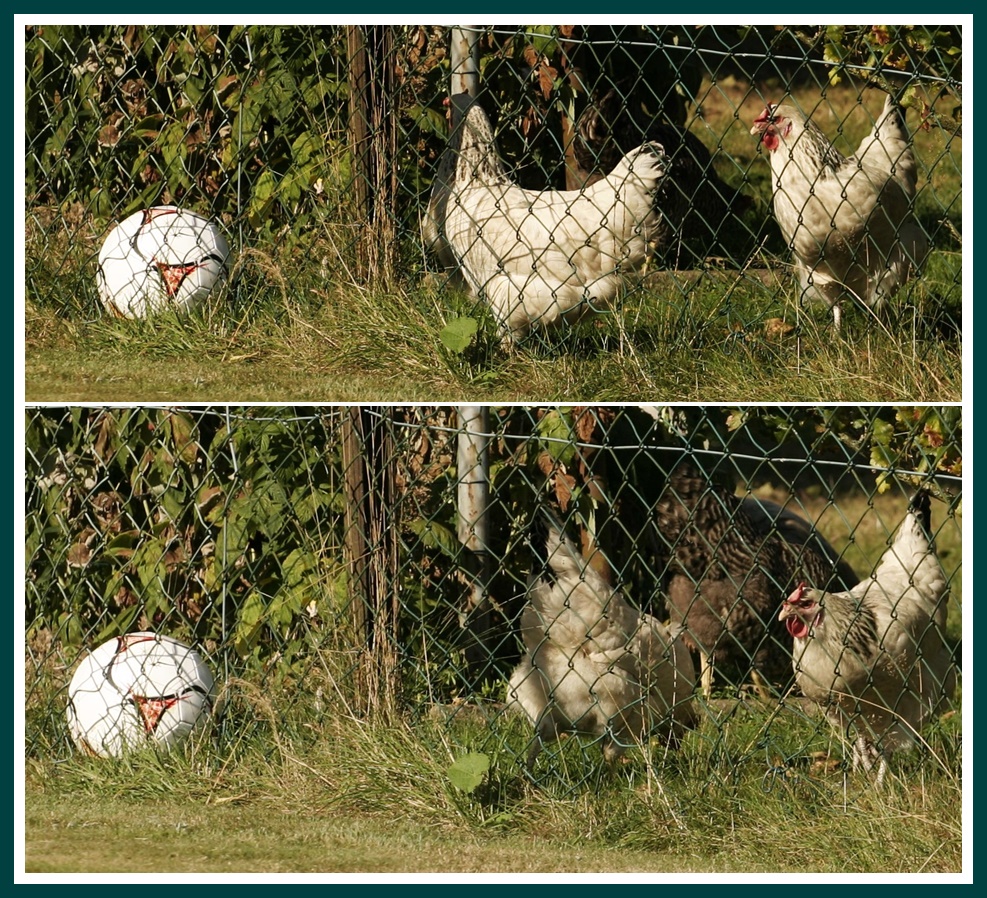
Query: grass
point(299, 325)
point(357, 344)
point(342, 794)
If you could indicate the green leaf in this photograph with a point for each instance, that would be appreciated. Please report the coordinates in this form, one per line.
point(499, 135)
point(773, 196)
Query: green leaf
point(466, 772)
point(307, 147)
point(120, 624)
point(262, 198)
point(428, 120)
point(555, 429)
point(436, 536)
point(543, 39)
point(458, 333)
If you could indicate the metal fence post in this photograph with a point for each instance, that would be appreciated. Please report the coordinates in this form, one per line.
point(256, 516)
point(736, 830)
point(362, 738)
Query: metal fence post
point(473, 522)
point(464, 60)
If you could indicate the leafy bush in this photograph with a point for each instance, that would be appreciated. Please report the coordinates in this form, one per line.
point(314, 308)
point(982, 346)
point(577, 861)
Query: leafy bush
point(221, 119)
point(175, 520)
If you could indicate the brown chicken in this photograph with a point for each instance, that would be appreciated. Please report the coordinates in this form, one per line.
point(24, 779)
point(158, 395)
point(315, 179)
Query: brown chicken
point(730, 559)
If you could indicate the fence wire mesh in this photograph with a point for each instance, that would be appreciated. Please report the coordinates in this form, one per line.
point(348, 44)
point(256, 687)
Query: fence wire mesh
point(318, 149)
point(389, 561)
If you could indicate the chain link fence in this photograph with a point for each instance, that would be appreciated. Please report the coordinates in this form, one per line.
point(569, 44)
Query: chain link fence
point(375, 561)
point(316, 148)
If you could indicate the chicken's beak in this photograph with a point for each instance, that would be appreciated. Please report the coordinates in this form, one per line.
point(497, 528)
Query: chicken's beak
point(760, 126)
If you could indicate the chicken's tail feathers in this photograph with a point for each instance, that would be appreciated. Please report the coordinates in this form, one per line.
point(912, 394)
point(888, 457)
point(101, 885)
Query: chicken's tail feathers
point(920, 509)
point(644, 166)
point(888, 145)
point(554, 554)
point(472, 145)
point(913, 551)
point(911, 561)
point(539, 527)
point(893, 110)
point(889, 123)
point(459, 103)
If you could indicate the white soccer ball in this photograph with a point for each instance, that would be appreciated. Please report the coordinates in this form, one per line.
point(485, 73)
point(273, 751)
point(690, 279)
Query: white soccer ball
point(136, 691)
point(163, 257)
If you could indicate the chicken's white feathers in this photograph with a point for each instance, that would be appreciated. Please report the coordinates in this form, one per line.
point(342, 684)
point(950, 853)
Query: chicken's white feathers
point(848, 220)
point(539, 257)
point(875, 657)
point(594, 664)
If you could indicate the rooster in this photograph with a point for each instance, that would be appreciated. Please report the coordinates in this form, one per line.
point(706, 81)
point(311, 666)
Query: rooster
point(539, 257)
point(730, 558)
point(875, 657)
point(593, 664)
point(848, 221)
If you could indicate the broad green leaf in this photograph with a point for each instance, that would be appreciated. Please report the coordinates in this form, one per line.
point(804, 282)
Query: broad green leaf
point(467, 771)
point(437, 536)
point(458, 333)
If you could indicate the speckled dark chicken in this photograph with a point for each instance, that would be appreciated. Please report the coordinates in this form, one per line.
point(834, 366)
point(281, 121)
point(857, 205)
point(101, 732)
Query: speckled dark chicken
point(732, 562)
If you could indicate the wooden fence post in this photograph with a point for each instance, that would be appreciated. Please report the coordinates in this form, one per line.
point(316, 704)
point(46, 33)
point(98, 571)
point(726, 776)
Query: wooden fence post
point(373, 141)
point(371, 548)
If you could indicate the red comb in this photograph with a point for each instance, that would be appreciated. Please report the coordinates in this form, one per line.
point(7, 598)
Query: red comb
point(797, 594)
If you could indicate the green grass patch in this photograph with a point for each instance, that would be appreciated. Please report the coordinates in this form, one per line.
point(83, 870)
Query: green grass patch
point(339, 793)
point(678, 337)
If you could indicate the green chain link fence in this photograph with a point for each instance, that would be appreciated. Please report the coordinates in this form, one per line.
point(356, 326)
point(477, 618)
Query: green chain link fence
point(315, 147)
point(375, 559)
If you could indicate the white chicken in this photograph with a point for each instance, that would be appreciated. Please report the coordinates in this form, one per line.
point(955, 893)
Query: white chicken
point(595, 665)
point(875, 657)
point(539, 257)
point(848, 221)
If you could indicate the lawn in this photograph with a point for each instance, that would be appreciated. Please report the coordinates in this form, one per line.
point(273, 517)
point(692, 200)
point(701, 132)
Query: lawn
point(345, 795)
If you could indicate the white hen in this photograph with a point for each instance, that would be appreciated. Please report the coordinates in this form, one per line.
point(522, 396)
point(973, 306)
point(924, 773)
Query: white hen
point(875, 657)
point(848, 221)
point(539, 257)
point(595, 665)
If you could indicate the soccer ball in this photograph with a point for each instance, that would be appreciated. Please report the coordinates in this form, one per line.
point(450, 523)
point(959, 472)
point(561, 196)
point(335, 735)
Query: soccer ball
point(161, 258)
point(138, 690)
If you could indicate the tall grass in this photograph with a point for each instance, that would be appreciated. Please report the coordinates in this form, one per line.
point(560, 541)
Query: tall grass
point(755, 789)
point(296, 335)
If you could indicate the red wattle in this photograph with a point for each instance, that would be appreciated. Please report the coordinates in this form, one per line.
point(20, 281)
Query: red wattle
point(797, 627)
